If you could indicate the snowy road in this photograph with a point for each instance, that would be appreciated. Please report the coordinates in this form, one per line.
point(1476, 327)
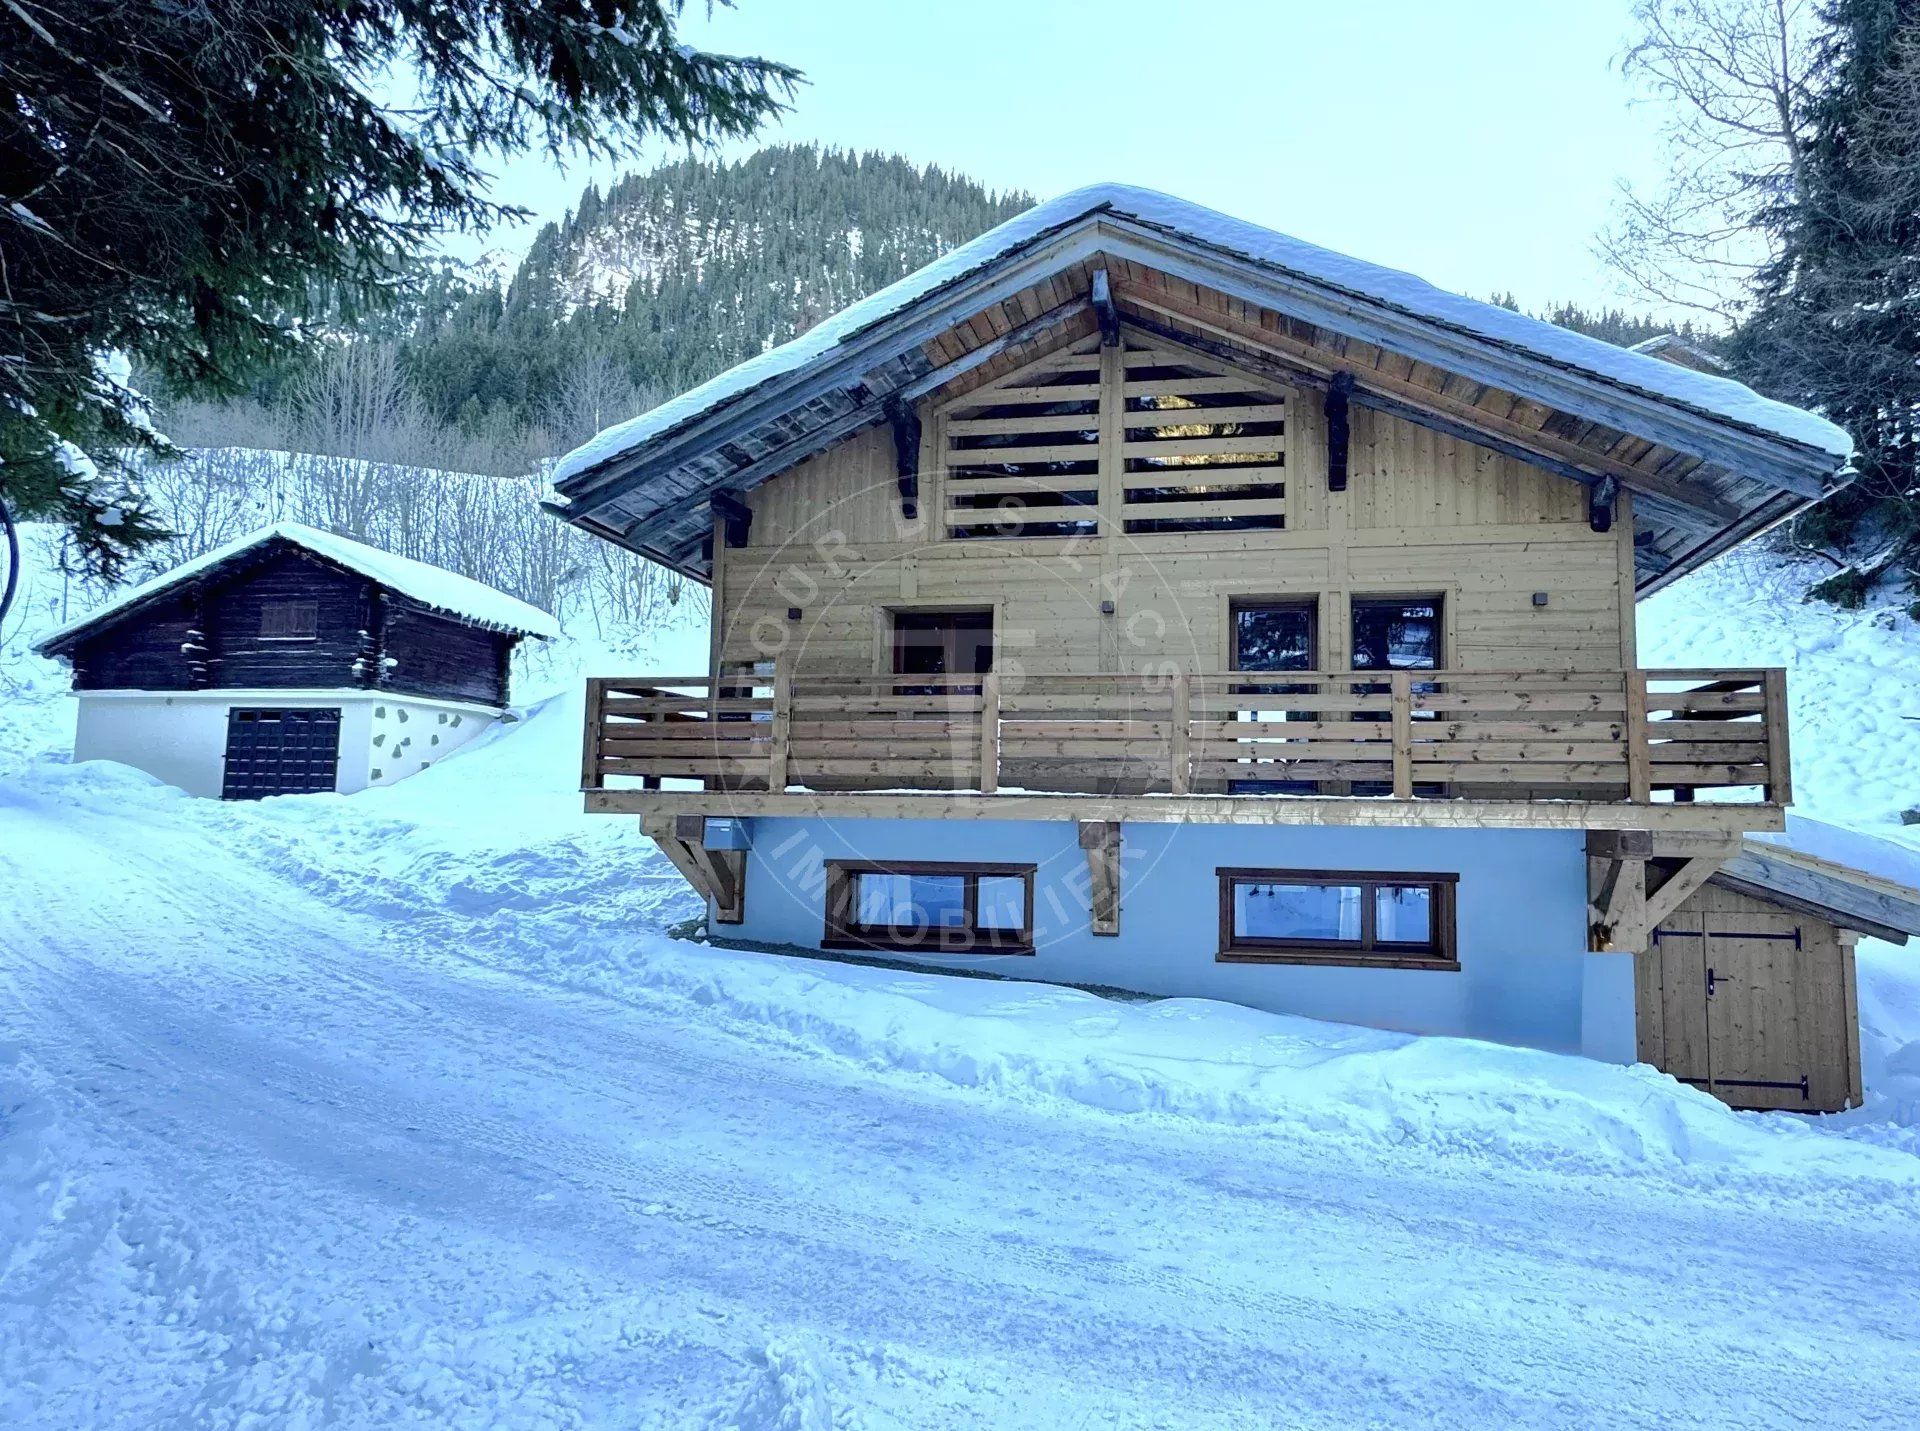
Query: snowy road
point(276, 1147)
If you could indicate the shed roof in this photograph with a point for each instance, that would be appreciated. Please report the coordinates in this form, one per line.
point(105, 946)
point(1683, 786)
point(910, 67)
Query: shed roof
point(1850, 898)
point(631, 482)
point(461, 598)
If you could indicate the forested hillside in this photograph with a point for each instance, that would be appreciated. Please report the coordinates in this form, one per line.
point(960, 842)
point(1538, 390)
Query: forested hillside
point(672, 275)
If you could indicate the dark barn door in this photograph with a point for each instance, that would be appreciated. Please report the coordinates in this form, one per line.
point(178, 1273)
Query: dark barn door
point(281, 752)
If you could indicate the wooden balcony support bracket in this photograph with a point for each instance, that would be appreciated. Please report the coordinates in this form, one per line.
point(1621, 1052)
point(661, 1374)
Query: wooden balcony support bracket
point(1681, 883)
point(1101, 840)
point(1101, 295)
point(1339, 429)
point(718, 875)
point(1617, 890)
point(734, 514)
point(905, 423)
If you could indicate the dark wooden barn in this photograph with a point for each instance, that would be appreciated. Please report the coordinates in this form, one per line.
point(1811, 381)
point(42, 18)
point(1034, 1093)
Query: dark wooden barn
point(293, 660)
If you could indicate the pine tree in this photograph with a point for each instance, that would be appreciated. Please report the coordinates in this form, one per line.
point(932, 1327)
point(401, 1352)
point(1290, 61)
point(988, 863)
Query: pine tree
point(1836, 322)
point(207, 186)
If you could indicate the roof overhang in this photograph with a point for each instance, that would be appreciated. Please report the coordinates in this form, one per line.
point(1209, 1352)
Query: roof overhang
point(1704, 480)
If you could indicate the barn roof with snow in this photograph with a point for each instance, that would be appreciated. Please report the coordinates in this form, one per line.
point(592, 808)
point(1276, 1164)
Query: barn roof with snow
point(460, 598)
point(1709, 461)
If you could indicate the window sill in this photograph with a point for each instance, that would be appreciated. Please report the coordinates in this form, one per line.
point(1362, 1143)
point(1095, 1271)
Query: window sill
point(1321, 956)
point(934, 947)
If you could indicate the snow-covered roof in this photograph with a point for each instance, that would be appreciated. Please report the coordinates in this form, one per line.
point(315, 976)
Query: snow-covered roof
point(1638, 373)
point(459, 597)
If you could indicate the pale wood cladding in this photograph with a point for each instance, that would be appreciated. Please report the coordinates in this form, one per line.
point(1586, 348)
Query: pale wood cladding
point(1423, 514)
point(1784, 1005)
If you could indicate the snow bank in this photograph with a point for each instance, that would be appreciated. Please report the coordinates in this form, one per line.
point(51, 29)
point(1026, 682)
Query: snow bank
point(1639, 372)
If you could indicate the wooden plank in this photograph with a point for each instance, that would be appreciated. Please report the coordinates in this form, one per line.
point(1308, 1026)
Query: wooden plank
point(590, 775)
point(989, 751)
point(1779, 753)
point(1180, 749)
point(780, 728)
point(1402, 696)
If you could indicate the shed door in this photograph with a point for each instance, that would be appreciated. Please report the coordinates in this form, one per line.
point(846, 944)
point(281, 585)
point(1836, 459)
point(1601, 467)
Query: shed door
point(281, 752)
point(1732, 1001)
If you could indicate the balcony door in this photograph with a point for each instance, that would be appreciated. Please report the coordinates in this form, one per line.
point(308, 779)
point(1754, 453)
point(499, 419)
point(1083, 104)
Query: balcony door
point(1273, 636)
point(1398, 633)
point(942, 643)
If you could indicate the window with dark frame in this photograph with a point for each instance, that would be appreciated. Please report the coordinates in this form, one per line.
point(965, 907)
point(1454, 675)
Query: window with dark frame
point(929, 907)
point(942, 643)
point(1338, 917)
point(290, 621)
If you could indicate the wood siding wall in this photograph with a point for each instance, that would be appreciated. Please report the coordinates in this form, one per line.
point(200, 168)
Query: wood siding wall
point(1423, 514)
point(434, 656)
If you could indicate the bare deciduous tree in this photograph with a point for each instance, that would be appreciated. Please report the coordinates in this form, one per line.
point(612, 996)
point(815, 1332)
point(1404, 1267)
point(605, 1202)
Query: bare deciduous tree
point(1733, 77)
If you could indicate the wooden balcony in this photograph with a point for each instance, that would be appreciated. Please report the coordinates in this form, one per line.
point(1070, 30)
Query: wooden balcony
point(1700, 749)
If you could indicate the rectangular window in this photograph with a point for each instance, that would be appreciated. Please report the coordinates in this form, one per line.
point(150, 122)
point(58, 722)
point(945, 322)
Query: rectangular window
point(1275, 635)
point(929, 907)
point(1397, 633)
point(942, 643)
point(290, 621)
point(1337, 917)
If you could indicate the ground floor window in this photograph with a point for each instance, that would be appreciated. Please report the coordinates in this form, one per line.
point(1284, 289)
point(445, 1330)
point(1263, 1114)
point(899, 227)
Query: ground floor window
point(1337, 917)
point(929, 907)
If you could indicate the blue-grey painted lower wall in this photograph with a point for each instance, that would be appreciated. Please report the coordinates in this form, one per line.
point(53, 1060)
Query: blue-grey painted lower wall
point(1525, 978)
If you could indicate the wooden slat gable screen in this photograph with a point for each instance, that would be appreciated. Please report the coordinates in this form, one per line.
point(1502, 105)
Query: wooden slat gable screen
point(1022, 455)
point(1202, 450)
point(1198, 448)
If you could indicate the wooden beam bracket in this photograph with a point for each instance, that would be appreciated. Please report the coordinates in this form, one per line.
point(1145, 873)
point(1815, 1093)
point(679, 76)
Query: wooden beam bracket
point(719, 876)
point(1101, 295)
point(738, 516)
point(905, 423)
point(1339, 429)
point(1602, 497)
point(1101, 840)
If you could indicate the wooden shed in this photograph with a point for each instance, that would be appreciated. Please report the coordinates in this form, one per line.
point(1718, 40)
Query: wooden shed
point(292, 661)
point(1748, 988)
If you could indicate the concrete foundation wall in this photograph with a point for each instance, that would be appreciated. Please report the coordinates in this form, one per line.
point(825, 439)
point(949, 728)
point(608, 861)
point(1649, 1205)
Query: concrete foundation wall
point(181, 737)
point(1525, 977)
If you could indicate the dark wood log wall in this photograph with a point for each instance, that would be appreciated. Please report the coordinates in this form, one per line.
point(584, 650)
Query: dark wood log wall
point(156, 647)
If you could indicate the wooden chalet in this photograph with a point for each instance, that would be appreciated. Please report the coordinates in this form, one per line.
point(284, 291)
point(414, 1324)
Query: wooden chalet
point(1178, 606)
point(291, 661)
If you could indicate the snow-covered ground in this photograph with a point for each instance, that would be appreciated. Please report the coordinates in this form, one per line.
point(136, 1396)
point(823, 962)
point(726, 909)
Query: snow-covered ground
point(403, 1109)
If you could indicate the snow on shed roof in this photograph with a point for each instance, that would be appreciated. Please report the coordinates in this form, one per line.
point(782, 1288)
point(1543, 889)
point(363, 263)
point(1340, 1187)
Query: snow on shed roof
point(458, 596)
point(1715, 396)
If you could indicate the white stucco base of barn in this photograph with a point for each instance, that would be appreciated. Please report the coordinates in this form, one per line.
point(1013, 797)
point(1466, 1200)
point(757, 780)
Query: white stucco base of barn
point(181, 736)
point(1525, 975)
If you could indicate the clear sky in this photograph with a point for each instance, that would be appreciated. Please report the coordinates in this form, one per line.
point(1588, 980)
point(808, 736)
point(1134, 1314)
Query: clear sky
point(1476, 145)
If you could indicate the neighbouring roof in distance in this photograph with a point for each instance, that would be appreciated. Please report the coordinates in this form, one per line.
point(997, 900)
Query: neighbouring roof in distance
point(461, 598)
point(1640, 372)
point(1671, 348)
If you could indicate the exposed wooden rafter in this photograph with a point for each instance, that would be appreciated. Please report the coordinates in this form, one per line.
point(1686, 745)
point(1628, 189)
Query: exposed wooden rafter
point(1272, 356)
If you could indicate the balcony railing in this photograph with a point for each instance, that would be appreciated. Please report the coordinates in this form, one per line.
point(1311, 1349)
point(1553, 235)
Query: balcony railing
point(1638, 736)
